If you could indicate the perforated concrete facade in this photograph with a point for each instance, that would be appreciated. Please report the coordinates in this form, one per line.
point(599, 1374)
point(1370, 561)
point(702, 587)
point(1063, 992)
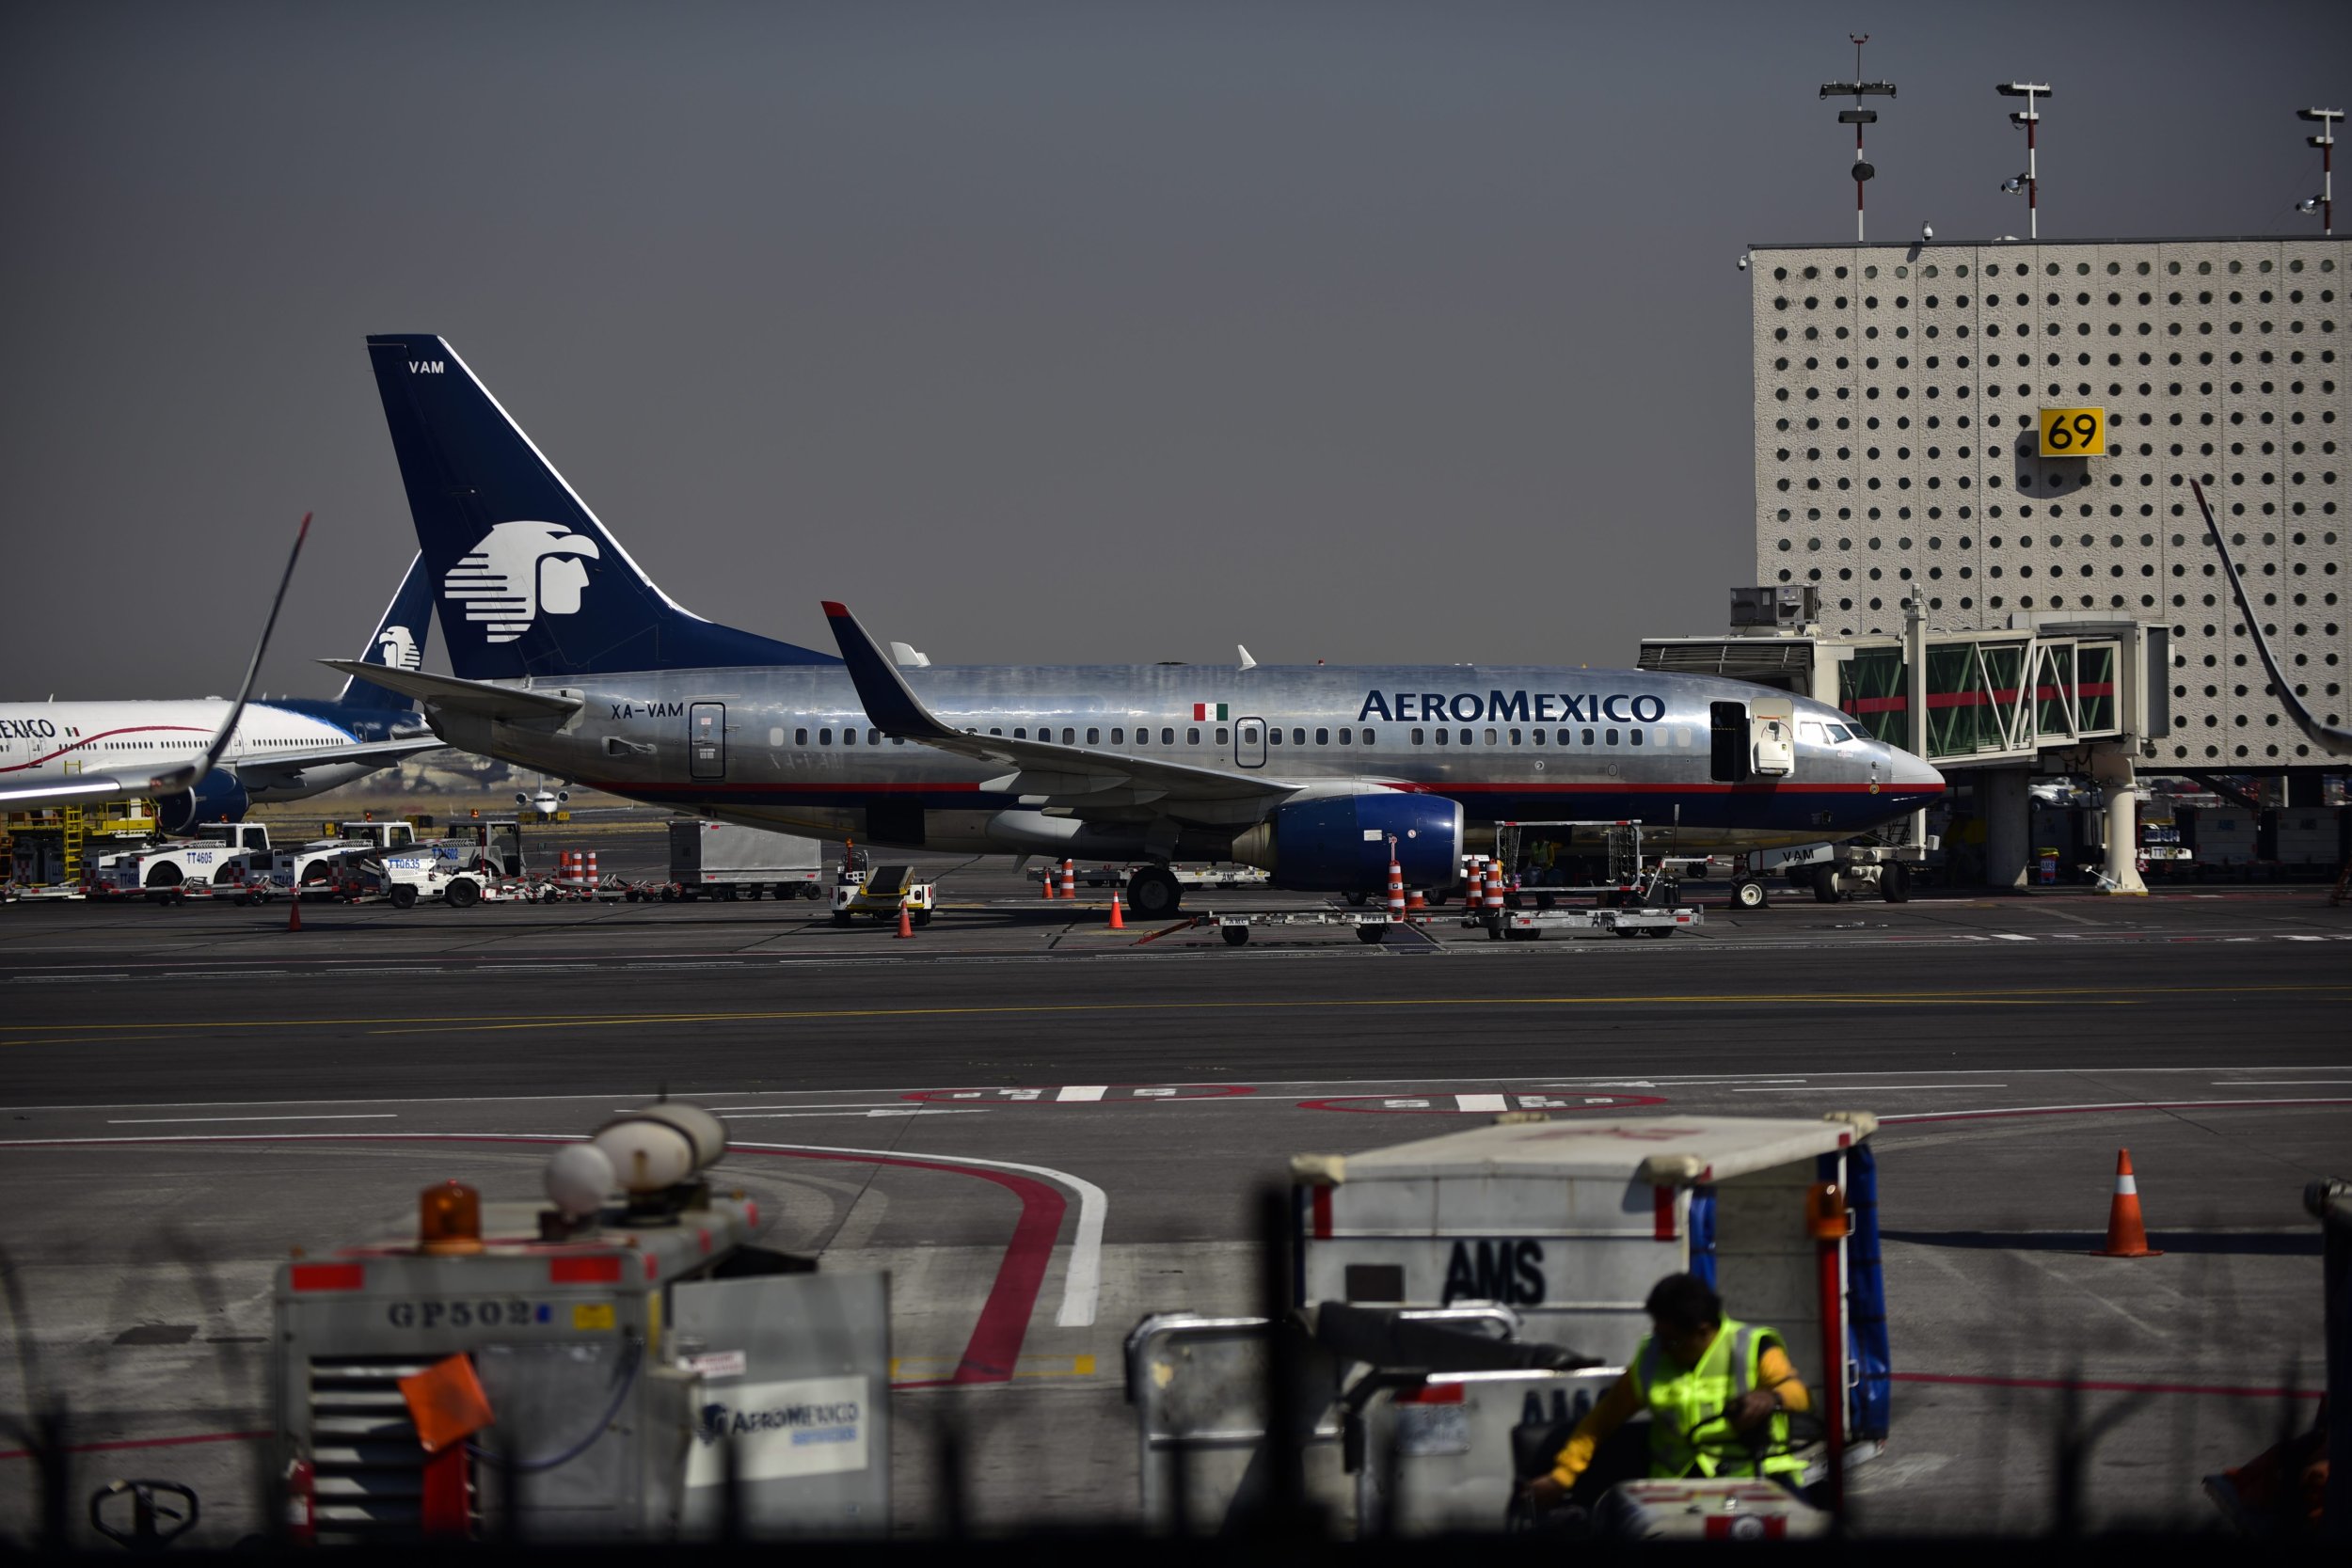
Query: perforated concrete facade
point(1896, 395)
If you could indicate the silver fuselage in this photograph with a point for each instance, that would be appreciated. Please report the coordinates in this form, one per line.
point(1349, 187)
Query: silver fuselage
point(1515, 743)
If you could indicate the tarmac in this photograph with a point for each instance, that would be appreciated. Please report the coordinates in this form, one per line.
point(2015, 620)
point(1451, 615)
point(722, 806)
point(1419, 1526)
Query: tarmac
point(191, 1091)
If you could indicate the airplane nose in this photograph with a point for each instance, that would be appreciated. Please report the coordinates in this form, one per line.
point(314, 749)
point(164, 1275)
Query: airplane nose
point(1905, 771)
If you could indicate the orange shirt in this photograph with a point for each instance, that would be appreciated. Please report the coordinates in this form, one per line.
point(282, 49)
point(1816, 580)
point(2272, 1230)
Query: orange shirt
point(1624, 1401)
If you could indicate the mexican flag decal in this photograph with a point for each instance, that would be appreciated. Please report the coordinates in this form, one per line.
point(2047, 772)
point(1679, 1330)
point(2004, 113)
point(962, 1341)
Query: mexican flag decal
point(1210, 710)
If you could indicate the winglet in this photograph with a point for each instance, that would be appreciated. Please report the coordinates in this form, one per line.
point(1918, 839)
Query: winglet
point(188, 777)
point(2329, 737)
point(889, 702)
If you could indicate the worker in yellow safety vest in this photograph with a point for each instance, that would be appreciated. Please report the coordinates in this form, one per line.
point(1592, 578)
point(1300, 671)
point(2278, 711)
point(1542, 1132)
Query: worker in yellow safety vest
point(1718, 1392)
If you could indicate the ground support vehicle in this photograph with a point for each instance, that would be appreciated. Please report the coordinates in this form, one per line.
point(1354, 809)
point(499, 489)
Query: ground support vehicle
point(720, 860)
point(1209, 876)
point(1371, 925)
point(1525, 924)
point(232, 855)
point(1606, 859)
point(880, 893)
point(1456, 1304)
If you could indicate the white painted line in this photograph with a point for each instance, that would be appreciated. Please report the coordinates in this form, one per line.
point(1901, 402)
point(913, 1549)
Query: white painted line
point(1083, 1091)
point(1481, 1103)
point(2281, 1082)
point(1082, 1288)
point(2009, 936)
point(877, 1111)
point(160, 1121)
point(1874, 1089)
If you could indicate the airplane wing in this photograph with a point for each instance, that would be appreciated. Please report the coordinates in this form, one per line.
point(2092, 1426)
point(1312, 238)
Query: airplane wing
point(1043, 773)
point(479, 697)
point(381, 753)
point(2335, 741)
point(117, 786)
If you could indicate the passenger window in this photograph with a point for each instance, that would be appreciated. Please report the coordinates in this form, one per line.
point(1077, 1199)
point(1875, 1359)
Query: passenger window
point(1168, 735)
point(1633, 737)
point(1535, 736)
point(873, 737)
point(1119, 736)
point(1069, 737)
point(1612, 737)
point(1371, 739)
point(849, 738)
point(1094, 736)
point(1682, 738)
point(800, 737)
point(1588, 737)
point(1221, 735)
point(1490, 737)
point(1274, 735)
point(1347, 737)
point(994, 730)
point(824, 738)
point(1465, 737)
point(1250, 735)
point(1021, 732)
point(1515, 738)
point(1299, 737)
point(1323, 737)
point(1442, 735)
point(1192, 736)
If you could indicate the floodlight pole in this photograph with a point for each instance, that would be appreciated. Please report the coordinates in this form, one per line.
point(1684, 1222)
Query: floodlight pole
point(1858, 116)
point(2031, 120)
point(2326, 142)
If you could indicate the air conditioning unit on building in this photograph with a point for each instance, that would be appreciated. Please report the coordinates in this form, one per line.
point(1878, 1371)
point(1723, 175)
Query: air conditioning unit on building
point(1787, 605)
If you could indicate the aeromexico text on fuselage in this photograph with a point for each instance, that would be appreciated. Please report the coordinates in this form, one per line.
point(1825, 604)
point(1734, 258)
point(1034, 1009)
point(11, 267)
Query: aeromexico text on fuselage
point(1497, 706)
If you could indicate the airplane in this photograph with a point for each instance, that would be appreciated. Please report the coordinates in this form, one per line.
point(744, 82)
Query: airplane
point(568, 660)
point(2334, 740)
point(58, 753)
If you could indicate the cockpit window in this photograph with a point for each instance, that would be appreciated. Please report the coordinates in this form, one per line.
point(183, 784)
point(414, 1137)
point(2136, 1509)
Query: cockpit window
point(1824, 735)
point(1840, 733)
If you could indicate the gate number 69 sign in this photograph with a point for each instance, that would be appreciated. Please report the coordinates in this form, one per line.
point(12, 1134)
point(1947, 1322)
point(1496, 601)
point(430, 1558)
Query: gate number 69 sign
point(2073, 432)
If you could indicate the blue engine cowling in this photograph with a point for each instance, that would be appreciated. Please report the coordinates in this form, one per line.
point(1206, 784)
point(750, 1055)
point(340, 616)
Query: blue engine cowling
point(1340, 843)
point(218, 798)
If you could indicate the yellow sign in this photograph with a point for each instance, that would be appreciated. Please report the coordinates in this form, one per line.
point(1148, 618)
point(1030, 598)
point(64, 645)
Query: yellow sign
point(592, 1314)
point(2073, 432)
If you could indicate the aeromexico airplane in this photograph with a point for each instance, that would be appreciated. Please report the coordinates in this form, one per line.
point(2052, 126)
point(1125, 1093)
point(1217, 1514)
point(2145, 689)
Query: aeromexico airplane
point(568, 660)
point(63, 752)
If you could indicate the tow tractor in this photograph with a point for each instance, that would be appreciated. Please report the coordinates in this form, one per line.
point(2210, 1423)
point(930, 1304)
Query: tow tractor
point(879, 893)
point(231, 860)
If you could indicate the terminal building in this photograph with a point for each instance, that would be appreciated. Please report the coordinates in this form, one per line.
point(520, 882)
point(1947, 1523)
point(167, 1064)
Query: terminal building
point(2000, 438)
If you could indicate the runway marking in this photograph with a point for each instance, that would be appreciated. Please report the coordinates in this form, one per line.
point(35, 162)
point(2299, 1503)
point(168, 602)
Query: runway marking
point(1874, 1089)
point(161, 1121)
point(2038, 997)
point(2281, 1082)
point(2009, 936)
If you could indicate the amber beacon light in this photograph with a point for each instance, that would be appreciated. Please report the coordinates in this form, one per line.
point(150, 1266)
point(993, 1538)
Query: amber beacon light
point(448, 1219)
point(1826, 1217)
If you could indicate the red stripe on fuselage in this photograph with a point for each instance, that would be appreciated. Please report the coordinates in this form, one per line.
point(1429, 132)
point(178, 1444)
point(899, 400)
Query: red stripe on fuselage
point(94, 739)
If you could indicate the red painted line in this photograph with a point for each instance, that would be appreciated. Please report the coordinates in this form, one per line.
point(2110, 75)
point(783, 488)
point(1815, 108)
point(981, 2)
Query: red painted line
point(2093, 1110)
point(995, 1347)
point(116, 1445)
point(2093, 1385)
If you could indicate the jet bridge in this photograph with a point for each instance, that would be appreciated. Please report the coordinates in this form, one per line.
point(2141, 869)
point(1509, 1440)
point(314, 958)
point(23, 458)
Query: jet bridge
point(2050, 693)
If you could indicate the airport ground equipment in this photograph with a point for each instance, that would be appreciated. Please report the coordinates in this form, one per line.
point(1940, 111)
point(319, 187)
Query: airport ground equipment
point(722, 860)
point(633, 1345)
point(1210, 875)
point(879, 893)
point(1369, 925)
point(1532, 925)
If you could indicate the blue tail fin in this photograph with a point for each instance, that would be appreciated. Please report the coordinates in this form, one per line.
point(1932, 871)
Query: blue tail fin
point(398, 643)
point(529, 583)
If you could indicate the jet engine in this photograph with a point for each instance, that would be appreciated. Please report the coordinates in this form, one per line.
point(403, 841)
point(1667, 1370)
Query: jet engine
point(217, 797)
point(1340, 843)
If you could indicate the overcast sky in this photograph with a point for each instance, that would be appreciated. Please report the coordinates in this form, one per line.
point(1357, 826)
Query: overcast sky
point(1048, 333)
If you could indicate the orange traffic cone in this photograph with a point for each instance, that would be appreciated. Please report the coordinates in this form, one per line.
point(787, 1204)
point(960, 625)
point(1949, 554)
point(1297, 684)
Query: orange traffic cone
point(2127, 1237)
point(1117, 924)
point(1045, 880)
point(1417, 908)
point(293, 911)
point(906, 927)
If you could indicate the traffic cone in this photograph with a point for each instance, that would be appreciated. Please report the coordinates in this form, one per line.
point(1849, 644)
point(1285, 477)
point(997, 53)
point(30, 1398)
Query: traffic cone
point(1068, 879)
point(2127, 1237)
point(906, 927)
point(1045, 880)
point(1473, 887)
point(1417, 908)
point(1396, 887)
point(1117, 924)
point(293, 911)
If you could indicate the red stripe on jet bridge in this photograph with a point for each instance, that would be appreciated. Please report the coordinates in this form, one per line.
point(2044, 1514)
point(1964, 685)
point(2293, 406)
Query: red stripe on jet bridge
point(1972, 699)
point(101, 735)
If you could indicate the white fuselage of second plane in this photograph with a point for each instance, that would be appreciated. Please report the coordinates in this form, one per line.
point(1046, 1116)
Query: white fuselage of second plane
point(792, 748)
point(58, 742)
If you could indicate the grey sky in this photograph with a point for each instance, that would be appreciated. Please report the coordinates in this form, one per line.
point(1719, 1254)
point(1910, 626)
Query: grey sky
point(1039, 333)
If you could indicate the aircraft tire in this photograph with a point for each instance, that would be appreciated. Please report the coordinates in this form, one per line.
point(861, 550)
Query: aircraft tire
point(1894, 882)
point(1825, 884)
point(1154, 894)
point(1749, 893)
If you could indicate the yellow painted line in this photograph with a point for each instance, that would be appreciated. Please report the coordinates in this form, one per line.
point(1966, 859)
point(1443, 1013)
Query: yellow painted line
point(2085, 995)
